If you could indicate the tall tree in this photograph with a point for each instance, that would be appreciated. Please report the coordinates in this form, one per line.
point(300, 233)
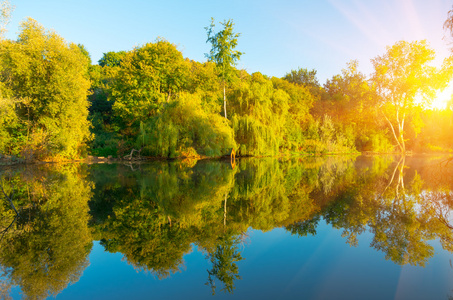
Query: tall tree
point(406, 83)
point(222, 51)
point(50, 76)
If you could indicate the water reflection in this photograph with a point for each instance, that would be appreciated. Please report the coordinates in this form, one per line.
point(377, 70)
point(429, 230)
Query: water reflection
point(154, 214)
point(46, 248)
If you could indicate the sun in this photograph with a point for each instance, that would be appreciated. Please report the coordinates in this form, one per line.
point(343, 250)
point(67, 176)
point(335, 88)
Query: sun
point(442, 98)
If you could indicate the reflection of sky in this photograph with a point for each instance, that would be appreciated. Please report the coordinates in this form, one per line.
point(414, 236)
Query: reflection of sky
point(276, 265)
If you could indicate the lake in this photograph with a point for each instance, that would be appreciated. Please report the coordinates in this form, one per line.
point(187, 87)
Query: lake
point(377, 227)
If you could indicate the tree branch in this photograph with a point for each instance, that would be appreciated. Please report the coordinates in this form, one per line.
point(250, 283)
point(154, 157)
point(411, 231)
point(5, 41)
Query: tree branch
point(393, 130)
point(10, 200)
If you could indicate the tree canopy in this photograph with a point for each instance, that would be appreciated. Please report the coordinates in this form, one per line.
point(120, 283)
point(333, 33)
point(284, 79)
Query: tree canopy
point(47, 78)
point(405, 81)
point(222, 51)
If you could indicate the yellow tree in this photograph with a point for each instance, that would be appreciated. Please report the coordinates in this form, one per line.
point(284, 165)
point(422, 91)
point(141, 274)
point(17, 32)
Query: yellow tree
point(49, 75)
point(406, 83)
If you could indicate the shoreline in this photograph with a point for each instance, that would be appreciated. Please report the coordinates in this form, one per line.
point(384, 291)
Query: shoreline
point(6, 160)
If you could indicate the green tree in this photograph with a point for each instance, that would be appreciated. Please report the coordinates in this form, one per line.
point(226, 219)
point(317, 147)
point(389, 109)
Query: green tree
point(350, 100)
point(112, 59)
point(47, 248)
point(85, 53)
point(405, 83)
point(49, 76)
point(107, 138)
point(148, 77)
point(258, 113)
point(298, 117)
point(224, 266)
point(183, 128)
point(222, 52)
point(306, 78)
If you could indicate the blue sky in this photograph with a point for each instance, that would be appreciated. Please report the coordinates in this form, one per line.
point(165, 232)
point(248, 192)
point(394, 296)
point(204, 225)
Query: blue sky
point(276, 36)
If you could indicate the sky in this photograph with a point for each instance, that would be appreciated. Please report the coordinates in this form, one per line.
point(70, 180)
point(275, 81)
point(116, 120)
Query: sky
point(276, 36)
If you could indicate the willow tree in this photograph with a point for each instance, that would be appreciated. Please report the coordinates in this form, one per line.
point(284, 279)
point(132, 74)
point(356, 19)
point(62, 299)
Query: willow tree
point(406, 83)
point(222, 52)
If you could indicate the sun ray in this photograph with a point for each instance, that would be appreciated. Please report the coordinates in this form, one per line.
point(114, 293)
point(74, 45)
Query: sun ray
point(443, 98)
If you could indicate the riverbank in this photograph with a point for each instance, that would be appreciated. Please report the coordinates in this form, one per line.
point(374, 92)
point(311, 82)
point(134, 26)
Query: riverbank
point(7, 160)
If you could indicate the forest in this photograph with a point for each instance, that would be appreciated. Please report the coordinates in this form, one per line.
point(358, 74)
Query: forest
point(56, 104)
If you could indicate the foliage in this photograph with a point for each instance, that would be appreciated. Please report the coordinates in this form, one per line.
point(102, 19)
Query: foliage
point(258, 115)
point(46, 248)
point(112, 59)
point(224, 266)
point(402, 77)
point(204, 82)
point(48, 76)
point(305, 78)
point(222, 52)
point(107, 139)
point(13, 132)
point(183, 124)
point(148, 77)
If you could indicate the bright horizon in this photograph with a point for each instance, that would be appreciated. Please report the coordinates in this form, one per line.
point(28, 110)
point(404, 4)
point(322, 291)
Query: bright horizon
point(276, 37)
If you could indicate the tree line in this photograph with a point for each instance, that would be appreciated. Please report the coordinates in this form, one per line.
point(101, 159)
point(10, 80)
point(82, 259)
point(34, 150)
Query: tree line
point(56, 104)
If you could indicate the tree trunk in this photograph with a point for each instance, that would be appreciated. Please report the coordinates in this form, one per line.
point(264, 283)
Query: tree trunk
point(225, 210)
point(401, 146)
point(224, 100)
point(401, 131)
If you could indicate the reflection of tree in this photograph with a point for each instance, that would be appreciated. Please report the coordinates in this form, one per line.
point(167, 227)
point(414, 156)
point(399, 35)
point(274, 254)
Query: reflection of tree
point(4, 212)
point(153, 216)
point(154, 219)
point(304, 227)
point(224, 267)
point(143, 234)
point(402, 217)
point(47, 247)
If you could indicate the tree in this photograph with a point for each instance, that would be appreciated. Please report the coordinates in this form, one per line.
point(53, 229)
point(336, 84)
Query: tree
point(47, 248)
point(405, 83)
point(305, 78)
point(350, 100)
point(112, 59)
point(224, 267)
point(148, 77)
point(222, 52)
point(49, 76)
point(85, 53)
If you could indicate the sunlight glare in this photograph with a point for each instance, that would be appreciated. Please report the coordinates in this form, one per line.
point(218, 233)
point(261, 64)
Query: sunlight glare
point(442, 98)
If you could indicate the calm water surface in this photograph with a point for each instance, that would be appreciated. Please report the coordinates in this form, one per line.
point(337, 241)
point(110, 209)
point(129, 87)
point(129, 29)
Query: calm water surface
point(309, 228)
